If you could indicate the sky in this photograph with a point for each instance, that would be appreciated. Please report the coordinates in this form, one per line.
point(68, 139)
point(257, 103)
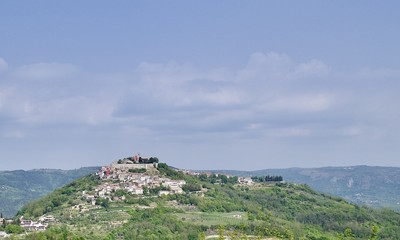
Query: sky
point(242, 85)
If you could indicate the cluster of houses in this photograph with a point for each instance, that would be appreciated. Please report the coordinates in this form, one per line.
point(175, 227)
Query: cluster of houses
point(39, 225)
point(28, 224)
point(132, 178)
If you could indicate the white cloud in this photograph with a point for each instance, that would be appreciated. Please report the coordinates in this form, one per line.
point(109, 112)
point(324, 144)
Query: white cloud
point(290, 132)
point(75, 110)
point(351, 131)
point(272, 94)
point(3, 96)
point(3, 64)
point(262, 106)
point(179, 99)
point(52, 93)
point(45, 71)
point(14, 134)
point(266, 67)
point(302, 103)
point(313, 68)
point(271, 91)
point(180, 85)
point(377, 74)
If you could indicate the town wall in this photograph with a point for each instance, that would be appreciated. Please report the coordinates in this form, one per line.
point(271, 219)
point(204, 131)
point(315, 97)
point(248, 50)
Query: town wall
point(132, 166)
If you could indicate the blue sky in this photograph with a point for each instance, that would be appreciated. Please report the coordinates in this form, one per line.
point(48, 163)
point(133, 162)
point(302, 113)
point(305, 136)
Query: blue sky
point(199, 84)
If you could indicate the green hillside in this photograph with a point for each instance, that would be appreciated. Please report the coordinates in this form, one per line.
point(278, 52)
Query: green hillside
point(211, 207)
point(365, 185)
point(20, 187)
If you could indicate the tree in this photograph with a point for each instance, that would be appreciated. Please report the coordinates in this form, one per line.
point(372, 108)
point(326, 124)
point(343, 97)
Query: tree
point(154, 160)
point(221, 233)
point(119, 193)
point(191, 187)
point(374, 233)
point(233, 179)
point(103, 202)
point(224, 179)
point(202, 236)
point(12, 228)
point(347, 235)
point(145, 190)
point(162, 166)
point(203, 177)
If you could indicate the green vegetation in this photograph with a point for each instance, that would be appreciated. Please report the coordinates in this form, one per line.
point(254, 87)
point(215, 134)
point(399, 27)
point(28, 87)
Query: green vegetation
point(12, 228)
point(137, 170)
point(211, 206)
point(220, 178)
point(66, 196)
point(20, 187)
point(165, 170)
point(267, 178)
point(364, 185)
point(210, 219)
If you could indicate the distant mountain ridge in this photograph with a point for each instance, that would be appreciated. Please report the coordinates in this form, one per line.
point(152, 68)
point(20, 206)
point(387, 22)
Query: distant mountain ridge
point(366, 185)
point(19, 187)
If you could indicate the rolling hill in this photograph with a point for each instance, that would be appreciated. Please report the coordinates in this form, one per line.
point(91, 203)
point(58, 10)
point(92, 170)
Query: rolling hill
point(209, 207)
point(20, 187)
point(365, 185)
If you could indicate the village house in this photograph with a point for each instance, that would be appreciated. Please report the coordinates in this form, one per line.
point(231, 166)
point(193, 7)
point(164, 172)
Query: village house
point(3, 234)
point(173, 183)
point(245, 180)
point(134, 190)
point(176, 189)
point(47, 219)
point(30, 225)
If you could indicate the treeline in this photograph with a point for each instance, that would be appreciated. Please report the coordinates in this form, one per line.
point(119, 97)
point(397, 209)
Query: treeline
point(267, 178)
point(165, 170)
point(218, 178)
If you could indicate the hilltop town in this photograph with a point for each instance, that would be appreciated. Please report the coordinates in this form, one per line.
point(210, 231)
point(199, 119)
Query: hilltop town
point(123, 181)
point(134, 175)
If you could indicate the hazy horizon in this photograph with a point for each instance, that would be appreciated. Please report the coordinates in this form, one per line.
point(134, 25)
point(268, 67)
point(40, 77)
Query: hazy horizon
point(200, 85)
point(221, 169)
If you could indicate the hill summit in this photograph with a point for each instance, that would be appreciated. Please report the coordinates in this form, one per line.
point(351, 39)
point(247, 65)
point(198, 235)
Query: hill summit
point(135, 198)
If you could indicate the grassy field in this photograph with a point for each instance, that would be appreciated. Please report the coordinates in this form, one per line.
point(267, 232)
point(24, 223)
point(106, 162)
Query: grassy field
point(213, 218)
